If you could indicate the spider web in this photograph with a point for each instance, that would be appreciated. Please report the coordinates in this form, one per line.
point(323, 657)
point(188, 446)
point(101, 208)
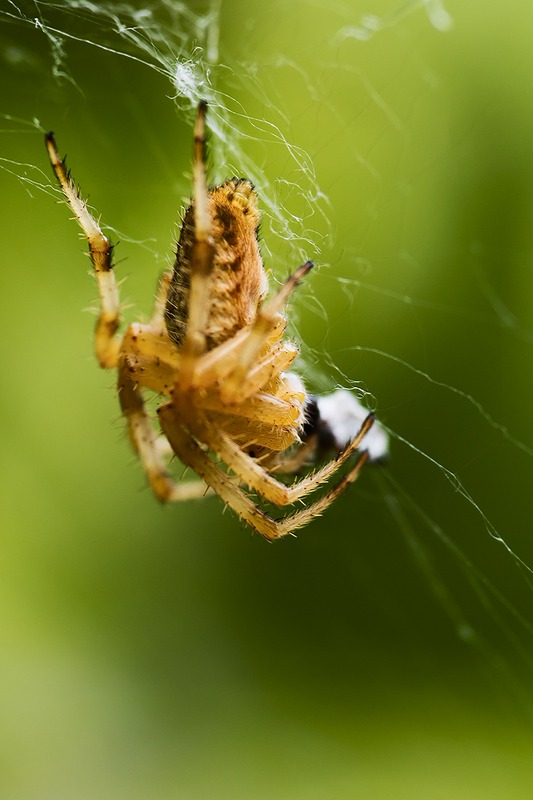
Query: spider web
point(310, 120)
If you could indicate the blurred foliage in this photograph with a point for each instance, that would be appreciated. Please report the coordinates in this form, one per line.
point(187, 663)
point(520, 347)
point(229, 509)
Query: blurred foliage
point(153, 652)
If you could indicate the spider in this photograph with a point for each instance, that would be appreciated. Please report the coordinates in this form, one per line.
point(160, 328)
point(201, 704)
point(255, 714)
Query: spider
point(215, 351)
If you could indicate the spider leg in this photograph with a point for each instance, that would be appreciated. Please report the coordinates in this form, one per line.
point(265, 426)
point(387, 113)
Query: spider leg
point(148, 446)
point(101, 251)
point(288, 464)
point(265, 321)
point(261, 408)
point(155, 362)
point(301, 518)
point(157, 322)
point(255, 435)
point(202, 255)
point(191, 454)
point(255, 476)
point(214, 366)
point(159, 364)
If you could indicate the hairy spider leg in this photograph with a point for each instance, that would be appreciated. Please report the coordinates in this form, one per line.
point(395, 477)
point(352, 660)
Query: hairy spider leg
point(107, 345)
point(215, 365)
point(253, 475)
point(263, 324)
point(291, 461)
point(148, 446)
point(154, 361)
point(193, 456)
point(202, 255)
point(157, 321)
point(101, 250)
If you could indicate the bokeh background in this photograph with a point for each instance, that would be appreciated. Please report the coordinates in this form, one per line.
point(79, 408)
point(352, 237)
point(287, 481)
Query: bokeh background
point(152, 652)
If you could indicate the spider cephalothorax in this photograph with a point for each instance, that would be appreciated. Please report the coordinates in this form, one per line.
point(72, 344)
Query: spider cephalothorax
point(215, 352)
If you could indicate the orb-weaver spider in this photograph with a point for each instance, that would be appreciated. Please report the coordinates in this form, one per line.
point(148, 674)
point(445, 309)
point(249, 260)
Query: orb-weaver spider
point(214, 350)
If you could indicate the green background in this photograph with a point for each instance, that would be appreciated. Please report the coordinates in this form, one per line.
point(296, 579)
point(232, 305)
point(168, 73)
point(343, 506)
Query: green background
point(153, 652)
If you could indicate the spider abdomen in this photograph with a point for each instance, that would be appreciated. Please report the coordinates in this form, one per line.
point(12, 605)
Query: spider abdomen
point(237, 281)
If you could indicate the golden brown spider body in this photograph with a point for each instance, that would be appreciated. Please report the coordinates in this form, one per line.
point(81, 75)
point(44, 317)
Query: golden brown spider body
point(215, 352)
point(237, 280)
